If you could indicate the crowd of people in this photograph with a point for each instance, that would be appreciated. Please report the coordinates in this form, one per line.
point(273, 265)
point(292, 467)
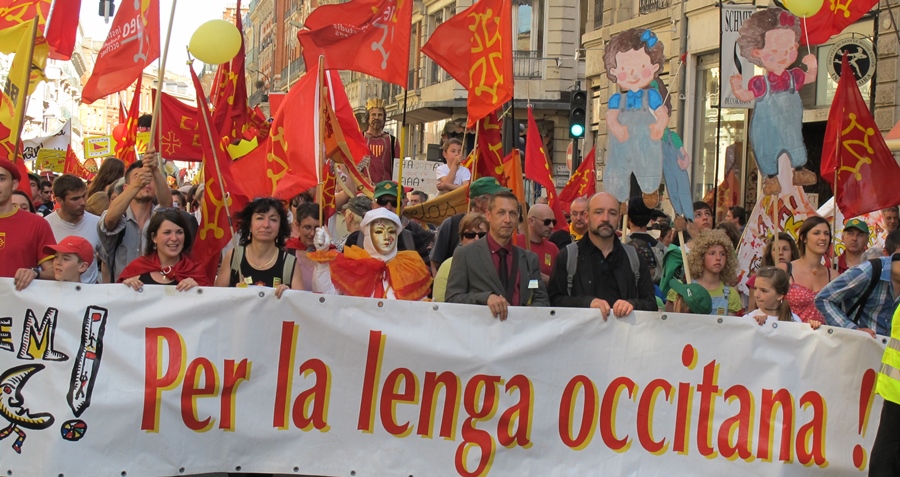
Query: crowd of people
point(128, 226)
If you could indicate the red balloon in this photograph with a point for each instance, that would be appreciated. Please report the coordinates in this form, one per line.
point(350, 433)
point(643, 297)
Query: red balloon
point(119, 132)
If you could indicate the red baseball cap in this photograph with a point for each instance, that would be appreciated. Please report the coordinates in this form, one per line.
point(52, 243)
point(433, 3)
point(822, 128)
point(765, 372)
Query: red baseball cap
point(73, 244)
point(13, 170)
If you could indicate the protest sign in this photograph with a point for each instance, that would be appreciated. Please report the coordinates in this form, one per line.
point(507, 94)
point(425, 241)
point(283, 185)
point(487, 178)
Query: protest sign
point(105, 380)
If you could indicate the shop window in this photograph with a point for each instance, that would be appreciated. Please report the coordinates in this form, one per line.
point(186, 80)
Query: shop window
point(719, 146)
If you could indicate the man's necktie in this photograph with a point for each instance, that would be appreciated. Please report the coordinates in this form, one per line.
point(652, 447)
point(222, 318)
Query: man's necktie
point(504, 269)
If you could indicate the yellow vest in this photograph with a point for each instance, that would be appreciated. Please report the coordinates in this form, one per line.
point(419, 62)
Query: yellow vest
point(888, 385)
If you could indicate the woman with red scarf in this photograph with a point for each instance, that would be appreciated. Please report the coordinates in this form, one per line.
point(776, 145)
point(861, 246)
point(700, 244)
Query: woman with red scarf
point(165, 261)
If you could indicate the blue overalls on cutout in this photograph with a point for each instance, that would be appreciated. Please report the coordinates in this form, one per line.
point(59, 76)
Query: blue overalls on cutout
point(776, 128)
point(639, 154)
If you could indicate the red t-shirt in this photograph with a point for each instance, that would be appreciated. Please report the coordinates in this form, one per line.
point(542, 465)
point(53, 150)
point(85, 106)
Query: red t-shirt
point(546, 252)
point(23, 236)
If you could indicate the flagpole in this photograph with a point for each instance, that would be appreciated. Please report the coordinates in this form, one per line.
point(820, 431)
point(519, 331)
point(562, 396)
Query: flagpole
point(320, 155)
point(21, 120)
point(403, 133)
point(159, 86)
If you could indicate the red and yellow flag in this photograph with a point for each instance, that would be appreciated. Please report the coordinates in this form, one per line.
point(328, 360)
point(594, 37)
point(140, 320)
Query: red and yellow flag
point(74, 166)
point(583, 182)
point(537, 168)
point(854, 147)
point(125, 144)
point(475, 48)
point(179, 132)
point(832, 18)
point(131, 45)
point(60, 33)
point(512, 174)
point(369, 36)
point(489, 149)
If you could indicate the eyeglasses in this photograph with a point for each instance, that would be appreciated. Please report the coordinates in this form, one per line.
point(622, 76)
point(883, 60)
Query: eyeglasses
point(549, 222)
point(385, 200)
point(471, 235)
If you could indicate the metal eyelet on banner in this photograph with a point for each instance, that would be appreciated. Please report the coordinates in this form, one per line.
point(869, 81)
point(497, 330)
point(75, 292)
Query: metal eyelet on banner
point(199, 291)
point(321, 299)
point(352, 472)
point(296, 469)
point(261, 294)
point(181, 470)
point(720, 321)
point(124, 473)
point(665, 317)
point(380, 304)
point(77, 287)
point(552, 312)
point(830, 331)
point(435, 308)
point(774, 325)
point(237, 468)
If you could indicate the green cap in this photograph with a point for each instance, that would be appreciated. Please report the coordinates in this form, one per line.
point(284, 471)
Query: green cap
point(858, 225)
point(385, 188)
point(695, 296)
point(485, 185)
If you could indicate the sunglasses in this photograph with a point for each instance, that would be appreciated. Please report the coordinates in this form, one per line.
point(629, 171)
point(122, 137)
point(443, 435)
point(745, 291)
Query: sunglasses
point(471, 235)
point(549, 222)
point(385, 200)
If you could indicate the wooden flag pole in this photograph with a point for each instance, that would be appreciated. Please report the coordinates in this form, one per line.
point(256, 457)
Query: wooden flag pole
point(403, 145)
point(21, 119)
point(320, 142)
point(157, 105)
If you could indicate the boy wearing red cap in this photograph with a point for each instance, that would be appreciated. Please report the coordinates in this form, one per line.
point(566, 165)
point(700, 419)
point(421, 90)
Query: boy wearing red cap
point(73, 256)
point(22, 235)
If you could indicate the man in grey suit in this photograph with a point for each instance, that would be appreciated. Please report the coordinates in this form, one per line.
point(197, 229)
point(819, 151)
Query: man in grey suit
point(493, 271)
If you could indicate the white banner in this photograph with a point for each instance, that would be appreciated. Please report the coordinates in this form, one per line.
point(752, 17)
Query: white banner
point(419, 175)
point(59, 141)
point(732, 62)
point(103, 380)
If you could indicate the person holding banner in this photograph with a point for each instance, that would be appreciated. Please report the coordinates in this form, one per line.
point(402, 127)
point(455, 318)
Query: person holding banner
point(260, 259)
point(772, 285)
point(377, 270)
point(808, 274)
point(165, 260)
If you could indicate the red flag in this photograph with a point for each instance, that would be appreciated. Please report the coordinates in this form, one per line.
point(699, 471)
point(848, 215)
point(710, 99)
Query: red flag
point(291, 164)
point(512, 173)
point(866, 171)
point(537, 168)
point(832, 18)
point(179, 130)
point(583, 182)
point(475, 48)
point(232, 113)
point(132, 44)
point(490, 149)
point(215, 231)
point(368, 36)
point(74, 166)
point(63, 24)
point(125, 147)
point(329, 182)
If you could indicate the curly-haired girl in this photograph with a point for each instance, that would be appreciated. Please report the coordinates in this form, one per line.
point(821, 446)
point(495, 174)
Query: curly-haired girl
point(770, 38)
point(637, 116)
point(713, 263)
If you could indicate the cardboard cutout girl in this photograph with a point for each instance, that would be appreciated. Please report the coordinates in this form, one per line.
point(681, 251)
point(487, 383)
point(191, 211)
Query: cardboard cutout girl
point(636, 117)
point(770, 38)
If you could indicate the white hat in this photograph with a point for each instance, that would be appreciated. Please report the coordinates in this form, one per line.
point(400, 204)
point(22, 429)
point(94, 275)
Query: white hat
point(380, 213)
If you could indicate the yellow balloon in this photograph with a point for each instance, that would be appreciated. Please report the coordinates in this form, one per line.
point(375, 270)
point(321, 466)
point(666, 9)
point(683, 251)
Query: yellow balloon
point(804, 8)
point(215, 42)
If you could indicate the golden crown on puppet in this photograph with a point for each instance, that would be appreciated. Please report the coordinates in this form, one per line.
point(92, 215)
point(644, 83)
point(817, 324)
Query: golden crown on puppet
point(374, 103)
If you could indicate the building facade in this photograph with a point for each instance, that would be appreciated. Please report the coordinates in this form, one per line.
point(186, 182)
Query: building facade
point(717, 138)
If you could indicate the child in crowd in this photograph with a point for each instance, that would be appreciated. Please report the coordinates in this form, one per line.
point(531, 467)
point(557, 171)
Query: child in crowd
point(713, 264)
point(772, 284)
point(73, 256)
point(692, 298)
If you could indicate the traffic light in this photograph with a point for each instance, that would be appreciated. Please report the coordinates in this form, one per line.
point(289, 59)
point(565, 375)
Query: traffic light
point(577, 114)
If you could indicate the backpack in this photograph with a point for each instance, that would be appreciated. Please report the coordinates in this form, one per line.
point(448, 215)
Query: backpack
point(653, 255)
point(287, 273)
point(855, 311)
point(572, 264)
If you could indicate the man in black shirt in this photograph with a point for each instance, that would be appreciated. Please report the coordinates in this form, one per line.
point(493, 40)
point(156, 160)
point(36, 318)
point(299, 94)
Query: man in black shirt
point(604, 274)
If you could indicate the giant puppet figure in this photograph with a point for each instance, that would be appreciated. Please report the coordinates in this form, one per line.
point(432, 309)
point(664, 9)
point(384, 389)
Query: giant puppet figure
point(377, 270)
point(637, 115)
point(770, 38)
point(383, 147)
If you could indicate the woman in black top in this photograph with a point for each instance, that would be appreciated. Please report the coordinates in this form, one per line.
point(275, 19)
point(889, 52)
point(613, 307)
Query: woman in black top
point(260, 258)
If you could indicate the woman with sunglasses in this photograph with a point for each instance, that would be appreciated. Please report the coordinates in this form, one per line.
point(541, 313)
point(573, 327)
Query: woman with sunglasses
point(541, 222)
point(260, 258)
point(472, 227)
point(165, 260)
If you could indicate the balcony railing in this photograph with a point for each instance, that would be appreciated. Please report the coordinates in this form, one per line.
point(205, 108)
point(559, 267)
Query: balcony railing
point(527, 64)
point(650, 6)
point(296, 69)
